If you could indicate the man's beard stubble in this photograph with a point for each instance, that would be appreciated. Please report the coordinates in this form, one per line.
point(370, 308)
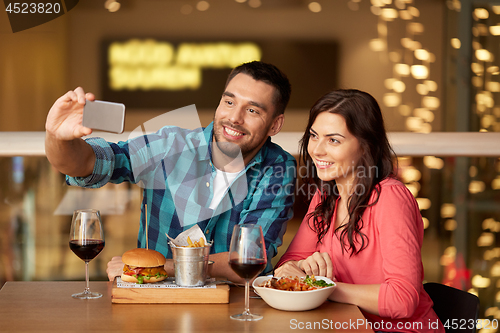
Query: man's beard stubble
point(229, 149)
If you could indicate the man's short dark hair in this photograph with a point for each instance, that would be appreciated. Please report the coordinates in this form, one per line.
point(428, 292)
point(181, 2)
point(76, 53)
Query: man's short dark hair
point(270, 74)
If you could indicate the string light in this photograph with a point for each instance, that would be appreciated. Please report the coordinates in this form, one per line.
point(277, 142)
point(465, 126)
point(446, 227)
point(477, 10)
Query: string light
point(484, 55)
point(402, 69)
point(423, 203)
point(392, 99)
point(481, 13)
point(202, 6)
point(112, 5)
point(448, 210)
point(455, 43)
point(422, 54)
point(450, 225)
point(419, 72)
point(480, 282)
point(254, 3)
point(431, 85)
point(314, 7)
point(476, 186)
point(425, 222)
point(389, 14)
point(377, 44)
point(422, 89)
point(403, 65)
point(430, 102)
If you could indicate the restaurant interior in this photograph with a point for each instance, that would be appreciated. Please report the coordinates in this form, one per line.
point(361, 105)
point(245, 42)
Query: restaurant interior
point(433, 66)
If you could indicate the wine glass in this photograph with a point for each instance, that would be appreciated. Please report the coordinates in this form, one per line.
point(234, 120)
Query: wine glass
point(86, 240)
point(247, 258)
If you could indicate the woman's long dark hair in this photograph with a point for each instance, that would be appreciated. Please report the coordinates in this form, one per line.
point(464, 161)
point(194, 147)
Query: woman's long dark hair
point(364, 120)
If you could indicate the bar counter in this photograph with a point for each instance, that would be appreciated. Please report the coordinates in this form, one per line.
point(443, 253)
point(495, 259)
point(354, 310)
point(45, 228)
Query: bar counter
point(49, 307)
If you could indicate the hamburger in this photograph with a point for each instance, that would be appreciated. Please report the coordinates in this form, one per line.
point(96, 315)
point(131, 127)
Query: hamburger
point(143, 266)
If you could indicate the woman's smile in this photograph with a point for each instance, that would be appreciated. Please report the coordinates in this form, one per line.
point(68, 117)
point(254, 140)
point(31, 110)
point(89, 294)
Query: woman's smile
point(323, 164)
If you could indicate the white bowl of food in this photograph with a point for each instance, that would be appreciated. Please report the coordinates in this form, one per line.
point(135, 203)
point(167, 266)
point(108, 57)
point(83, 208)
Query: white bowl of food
point(287, 294)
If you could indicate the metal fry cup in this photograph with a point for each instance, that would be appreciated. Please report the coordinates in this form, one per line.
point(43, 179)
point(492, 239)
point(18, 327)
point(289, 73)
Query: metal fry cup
point(190, 265)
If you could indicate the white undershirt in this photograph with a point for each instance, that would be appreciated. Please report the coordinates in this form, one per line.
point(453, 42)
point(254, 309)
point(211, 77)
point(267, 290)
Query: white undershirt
point(222, 181)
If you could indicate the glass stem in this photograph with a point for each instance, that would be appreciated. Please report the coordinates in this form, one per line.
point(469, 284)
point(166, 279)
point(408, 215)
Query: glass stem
point(247, 297)
point(87, 288)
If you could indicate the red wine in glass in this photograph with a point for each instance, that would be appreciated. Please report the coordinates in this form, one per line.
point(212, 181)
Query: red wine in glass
point(86, 240)
point(247, 258)
point(248, 269)
point(87, 250)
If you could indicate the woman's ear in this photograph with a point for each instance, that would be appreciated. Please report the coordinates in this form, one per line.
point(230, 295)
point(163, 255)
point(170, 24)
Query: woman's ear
point(277, 125)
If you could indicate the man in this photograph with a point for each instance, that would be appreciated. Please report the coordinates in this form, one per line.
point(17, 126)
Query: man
point(185, 185)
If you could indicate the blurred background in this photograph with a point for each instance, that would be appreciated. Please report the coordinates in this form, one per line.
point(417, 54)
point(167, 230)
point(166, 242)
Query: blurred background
point(433, 65)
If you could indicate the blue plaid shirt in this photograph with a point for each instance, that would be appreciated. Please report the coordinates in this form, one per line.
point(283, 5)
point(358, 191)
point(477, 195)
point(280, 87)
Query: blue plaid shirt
point(174, 167)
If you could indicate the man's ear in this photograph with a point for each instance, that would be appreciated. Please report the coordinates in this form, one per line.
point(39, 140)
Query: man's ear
point(277, 125)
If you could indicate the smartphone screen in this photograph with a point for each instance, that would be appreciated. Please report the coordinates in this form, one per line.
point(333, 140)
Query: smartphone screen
point(104, 116)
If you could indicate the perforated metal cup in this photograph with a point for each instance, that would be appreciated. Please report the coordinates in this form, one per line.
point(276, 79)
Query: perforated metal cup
point(190, 265)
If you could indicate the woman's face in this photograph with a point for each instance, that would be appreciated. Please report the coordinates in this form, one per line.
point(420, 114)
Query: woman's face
point(333, 149)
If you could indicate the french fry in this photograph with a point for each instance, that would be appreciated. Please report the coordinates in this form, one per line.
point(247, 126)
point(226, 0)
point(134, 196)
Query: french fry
point(200, 243)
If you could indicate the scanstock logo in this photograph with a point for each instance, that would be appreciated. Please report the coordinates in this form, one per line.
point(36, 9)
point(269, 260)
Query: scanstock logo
point(28, 14)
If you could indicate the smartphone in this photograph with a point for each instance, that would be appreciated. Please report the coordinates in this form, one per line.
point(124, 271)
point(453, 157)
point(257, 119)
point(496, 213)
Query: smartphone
point(104, 116)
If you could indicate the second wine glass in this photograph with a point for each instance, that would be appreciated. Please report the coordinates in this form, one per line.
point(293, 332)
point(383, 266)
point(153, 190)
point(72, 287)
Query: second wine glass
point(247, 258)
point(86, 240)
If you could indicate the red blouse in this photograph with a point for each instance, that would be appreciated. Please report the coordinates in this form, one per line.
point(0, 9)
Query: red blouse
point(392, 259)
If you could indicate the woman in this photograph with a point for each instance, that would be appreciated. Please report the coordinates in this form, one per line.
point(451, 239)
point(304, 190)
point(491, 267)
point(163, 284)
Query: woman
point(363, 226)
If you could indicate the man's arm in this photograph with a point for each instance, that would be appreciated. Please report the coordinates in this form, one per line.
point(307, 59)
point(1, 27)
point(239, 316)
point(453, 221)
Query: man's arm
point(64, 148)
point(222, 269)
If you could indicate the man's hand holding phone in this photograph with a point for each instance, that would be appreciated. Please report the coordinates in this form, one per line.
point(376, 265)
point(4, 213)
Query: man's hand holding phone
point(76, 113)
point(64, 146)
point(64, 120)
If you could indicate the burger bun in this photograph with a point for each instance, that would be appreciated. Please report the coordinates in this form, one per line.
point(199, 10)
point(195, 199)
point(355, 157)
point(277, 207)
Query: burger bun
point(143, 258)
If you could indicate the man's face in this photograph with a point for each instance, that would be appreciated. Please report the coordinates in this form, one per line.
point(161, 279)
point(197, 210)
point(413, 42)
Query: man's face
point(245, 117)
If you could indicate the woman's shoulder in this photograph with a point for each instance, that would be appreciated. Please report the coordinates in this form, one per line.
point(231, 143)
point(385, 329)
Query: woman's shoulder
point(395, 204)
point(390, 181)
point(393, 188)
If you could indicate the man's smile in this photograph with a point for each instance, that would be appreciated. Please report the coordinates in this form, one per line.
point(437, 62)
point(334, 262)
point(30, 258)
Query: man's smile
point(232, 133)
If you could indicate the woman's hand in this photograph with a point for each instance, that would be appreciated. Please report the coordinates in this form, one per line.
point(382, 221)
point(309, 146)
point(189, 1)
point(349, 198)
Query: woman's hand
point(319, 264)
point(289, 268)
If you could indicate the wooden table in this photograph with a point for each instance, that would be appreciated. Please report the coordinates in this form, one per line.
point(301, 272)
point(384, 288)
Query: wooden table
point(49, 307)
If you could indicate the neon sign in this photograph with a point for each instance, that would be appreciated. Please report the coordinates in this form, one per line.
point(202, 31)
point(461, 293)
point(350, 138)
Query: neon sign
point(150, 64)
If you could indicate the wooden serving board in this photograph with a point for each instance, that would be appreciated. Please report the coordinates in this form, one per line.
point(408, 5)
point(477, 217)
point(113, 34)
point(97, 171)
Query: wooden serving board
point(219, 294)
